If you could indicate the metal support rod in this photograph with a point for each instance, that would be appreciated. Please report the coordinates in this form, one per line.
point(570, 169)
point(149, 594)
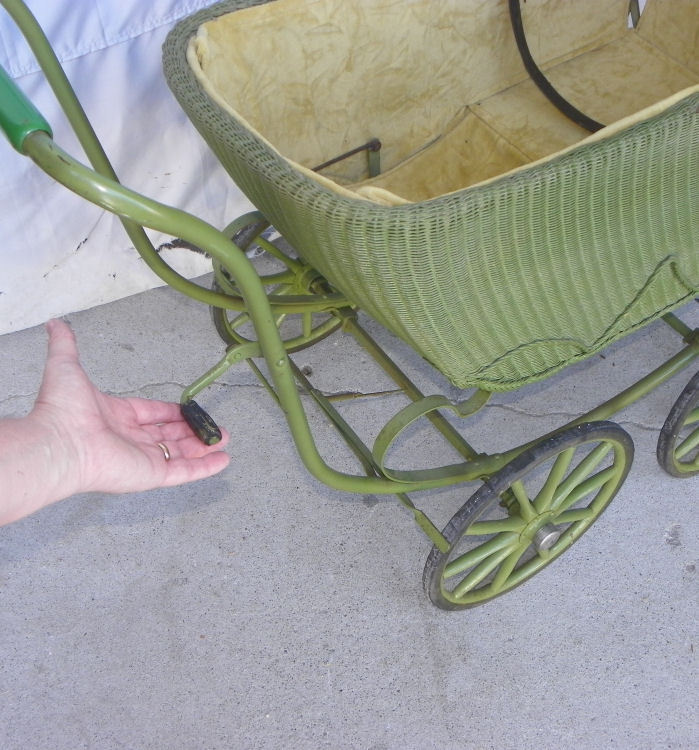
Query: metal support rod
point(357, 445)
point(366, 458)
point(644, 386)
point(634, 12)
point(407, 386)
point(678, 325)
point(234, 355)
point(372, 146)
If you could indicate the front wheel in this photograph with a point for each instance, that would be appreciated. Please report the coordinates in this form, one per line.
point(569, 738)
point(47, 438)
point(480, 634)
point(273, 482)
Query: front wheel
point(281, 274)
point(678, 444)
point(527, 514)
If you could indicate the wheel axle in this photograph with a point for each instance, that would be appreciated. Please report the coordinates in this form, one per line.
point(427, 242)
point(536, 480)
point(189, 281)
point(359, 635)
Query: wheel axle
point(546, 537)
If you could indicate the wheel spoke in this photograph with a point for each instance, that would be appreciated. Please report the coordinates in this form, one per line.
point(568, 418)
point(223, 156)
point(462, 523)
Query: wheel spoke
point(545, 497)
point(307, 324)
point(275, 252)
point(480, 553)
point(525, 507)
point(481, 528)
point(574, 515)
point(585, 488)
point(508, 565)
point(692, 417)
point(583, 469)
point(687, 445)
point(481, 571)
point(239, 320)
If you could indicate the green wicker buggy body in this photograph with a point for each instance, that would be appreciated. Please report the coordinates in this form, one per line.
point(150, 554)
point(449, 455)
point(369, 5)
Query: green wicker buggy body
point(498, 284)
point(425, 165)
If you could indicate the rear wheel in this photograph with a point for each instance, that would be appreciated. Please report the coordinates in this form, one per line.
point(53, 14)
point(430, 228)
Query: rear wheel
point(527, 514)
point(678, 444)
point(281, 275)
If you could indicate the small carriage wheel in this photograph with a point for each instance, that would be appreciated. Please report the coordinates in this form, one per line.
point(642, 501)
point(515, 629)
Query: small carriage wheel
point(678, 444)
point(527, 514)
point(314, 326)
point(313, 330)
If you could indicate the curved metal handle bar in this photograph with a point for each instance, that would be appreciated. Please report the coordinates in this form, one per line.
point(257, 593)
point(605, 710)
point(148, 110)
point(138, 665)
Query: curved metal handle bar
point(543, 83)
point(124, 202)
point(57, 79)
point(101, 187)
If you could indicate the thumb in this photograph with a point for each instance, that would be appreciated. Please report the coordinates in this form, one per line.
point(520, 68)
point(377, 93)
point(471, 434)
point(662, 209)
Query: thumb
point(63, 374)
point(61, 340)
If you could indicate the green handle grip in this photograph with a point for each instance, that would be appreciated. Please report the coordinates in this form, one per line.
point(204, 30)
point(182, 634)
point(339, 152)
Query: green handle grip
point(18, 116)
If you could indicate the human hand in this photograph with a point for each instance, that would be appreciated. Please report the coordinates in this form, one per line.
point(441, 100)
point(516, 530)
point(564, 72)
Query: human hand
point(115, 440)
point(78, 439)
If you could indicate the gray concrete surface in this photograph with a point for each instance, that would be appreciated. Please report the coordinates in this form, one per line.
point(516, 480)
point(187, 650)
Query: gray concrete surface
point(259, 609)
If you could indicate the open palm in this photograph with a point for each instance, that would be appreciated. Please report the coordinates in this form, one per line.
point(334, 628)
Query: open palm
point(111, 444)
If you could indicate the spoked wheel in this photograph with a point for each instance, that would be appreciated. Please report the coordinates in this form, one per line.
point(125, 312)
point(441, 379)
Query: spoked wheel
point(527, 514)
point(282, 275)
point(678, 444)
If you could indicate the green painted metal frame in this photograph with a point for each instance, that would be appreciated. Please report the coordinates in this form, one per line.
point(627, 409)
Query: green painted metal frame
point(244, 290)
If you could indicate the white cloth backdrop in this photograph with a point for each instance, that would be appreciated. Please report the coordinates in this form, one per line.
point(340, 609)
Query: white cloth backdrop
point(58, 253)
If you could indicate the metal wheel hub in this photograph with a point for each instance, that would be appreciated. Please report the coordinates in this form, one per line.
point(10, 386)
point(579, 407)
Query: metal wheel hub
point(541, 532)
point(546, 537)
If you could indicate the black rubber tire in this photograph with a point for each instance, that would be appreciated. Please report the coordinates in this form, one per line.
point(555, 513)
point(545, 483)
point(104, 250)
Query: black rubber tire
point(491, 493)
point(218, 316)
point(670, 432)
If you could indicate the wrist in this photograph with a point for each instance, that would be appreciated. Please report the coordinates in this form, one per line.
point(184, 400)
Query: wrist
point(37, 466)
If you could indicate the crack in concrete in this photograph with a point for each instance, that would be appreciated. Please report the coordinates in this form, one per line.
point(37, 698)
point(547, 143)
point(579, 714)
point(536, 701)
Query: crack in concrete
point(18, 397)
point(181, 386)
point(570, 417)
point(345, 395)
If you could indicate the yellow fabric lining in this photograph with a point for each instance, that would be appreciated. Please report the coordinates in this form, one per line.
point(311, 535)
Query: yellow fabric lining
point(441, 84)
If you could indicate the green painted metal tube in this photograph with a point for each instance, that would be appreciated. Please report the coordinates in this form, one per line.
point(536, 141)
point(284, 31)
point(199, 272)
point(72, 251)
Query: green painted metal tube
point(101, 187)
point(18, 116)
point(645, 385)
point(57, 79)
point(149, 213)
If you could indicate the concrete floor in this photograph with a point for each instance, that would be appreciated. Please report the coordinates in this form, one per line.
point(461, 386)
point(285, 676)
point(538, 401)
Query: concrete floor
point(259, 609)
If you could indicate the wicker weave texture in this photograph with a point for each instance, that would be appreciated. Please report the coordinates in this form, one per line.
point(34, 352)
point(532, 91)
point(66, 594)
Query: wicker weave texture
point(501, 284)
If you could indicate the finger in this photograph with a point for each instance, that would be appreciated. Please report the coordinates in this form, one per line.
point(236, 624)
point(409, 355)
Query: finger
point(61, 340)
point(172, 431)
point(182, 470)
point(192, 447)
point(175, 431)
point(151, 411)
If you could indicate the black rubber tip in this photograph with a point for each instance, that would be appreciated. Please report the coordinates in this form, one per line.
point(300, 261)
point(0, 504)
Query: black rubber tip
point(204, 427)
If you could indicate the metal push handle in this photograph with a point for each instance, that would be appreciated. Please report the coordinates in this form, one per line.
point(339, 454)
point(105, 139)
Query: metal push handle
point(101, 186)
point(542, 82)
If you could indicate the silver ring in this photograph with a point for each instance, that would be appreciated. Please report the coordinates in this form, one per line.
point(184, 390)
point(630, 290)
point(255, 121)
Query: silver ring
point(165, 451)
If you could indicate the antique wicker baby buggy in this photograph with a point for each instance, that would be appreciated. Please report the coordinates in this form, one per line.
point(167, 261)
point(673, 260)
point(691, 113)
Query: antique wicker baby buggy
point(431, 163)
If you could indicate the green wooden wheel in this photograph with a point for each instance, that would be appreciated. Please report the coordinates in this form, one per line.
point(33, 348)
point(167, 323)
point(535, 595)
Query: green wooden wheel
point(527, 514)
point(298, 330)
point(282, 275)
point(678, 444)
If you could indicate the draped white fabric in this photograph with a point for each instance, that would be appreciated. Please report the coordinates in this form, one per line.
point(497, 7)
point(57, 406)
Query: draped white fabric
point(58, 253)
